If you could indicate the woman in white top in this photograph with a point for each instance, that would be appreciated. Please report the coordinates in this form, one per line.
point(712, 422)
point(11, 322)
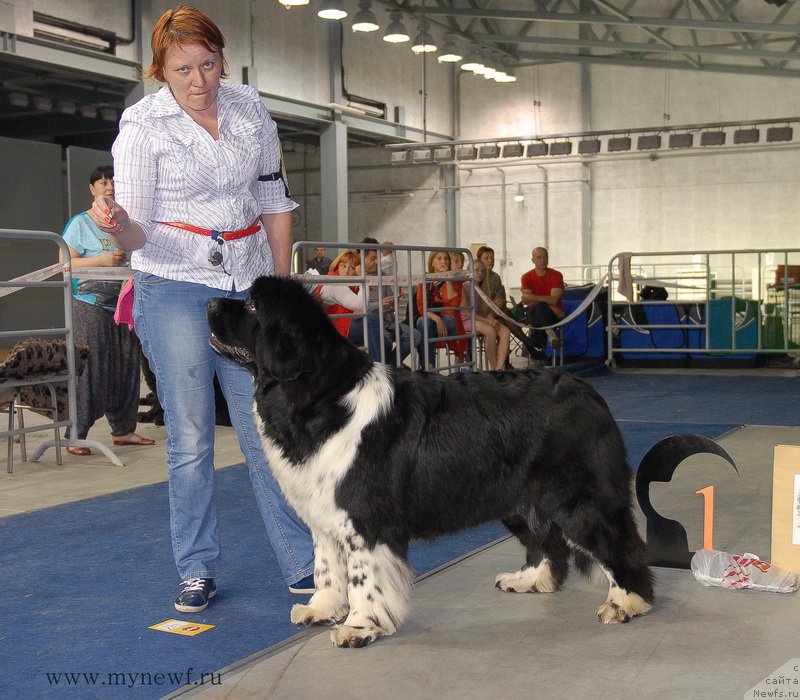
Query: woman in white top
point(202, 202)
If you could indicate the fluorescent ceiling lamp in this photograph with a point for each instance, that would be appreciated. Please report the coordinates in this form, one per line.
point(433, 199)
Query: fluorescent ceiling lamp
point(746, 136)
point(519, 196)
point(442, 153)
point(449, 52)
point(466, 152)
point(619, 143)
point(66, 107)
point(512, 150)
point(589, 146)
point(332, 9)
point(681, 140)
point(109, 114)
point(400, 157)
point(87, 111)
point(396, 32)
point(775, 133)
point(18, 99)
point(560, 148)
point(293, 3)
point(532, 150)
point(365, 20)
point(648, 142)
point(712, 138)
point(43, 104)
point(489, 152)
point(422, 155)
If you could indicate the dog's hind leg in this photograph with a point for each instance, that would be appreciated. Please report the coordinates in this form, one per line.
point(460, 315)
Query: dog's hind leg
point(328, 605)
point(378, 589)
point(546, 558)
point(614, 544)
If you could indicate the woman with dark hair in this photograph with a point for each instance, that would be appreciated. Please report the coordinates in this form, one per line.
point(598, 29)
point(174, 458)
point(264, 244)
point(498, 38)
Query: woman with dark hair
point(202, 202)
point(109, 385)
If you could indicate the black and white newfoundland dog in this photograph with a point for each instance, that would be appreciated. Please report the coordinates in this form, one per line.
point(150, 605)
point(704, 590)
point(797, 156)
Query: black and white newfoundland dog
point(371, 456)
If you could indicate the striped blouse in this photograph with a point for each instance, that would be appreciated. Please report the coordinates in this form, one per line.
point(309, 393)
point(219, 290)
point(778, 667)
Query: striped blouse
point(168, 168)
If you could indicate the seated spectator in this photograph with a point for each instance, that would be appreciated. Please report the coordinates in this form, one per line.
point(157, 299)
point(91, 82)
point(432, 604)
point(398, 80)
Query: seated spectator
point(344, 299)
point(456, 260)
point(541, 289)
point(496, 336)
point(390, 325)
point(486, 255)
point(441, 294)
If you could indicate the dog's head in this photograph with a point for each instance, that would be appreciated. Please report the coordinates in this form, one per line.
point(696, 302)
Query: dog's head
point(280, 332)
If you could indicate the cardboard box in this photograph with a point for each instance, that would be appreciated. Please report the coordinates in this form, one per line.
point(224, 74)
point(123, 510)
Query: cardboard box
point(786, 508)
point(787, 274)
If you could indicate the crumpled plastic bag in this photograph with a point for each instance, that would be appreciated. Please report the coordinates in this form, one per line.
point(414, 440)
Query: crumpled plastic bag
point(735, 571)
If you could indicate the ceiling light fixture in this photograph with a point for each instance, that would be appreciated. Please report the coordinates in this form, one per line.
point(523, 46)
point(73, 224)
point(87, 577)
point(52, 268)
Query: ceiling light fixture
point(43, 104)
point(424, 42)
point(505, 76)
point(66, 107)
point(365, 20)
point(396, 32)
point(109, 114)
point(519, 196)
point(472, 60)
point(87, 111)
point(18, 99)
point(449, 52)
point(332, 9)
point(289, 4)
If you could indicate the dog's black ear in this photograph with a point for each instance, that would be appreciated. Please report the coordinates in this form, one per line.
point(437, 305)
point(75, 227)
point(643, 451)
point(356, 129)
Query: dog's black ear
point(289, 345)
point(281, 359)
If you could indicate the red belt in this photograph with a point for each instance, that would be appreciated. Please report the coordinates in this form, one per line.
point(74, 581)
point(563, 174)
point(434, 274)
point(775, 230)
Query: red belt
point(225, 235)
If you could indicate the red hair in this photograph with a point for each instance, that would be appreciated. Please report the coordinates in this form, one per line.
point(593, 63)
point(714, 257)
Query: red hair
point(182, 26)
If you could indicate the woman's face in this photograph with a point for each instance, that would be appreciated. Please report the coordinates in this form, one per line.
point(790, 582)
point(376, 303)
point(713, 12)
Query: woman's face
point(347, 269)
point(192, 73)
point(102, 187)
point(480, 271)
point(456, 263)
point(441, 262)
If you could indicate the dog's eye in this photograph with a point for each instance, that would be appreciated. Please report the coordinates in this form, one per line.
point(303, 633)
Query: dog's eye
point(250, 305)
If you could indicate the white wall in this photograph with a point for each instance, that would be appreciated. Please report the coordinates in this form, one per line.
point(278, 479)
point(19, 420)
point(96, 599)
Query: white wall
point(702, 199)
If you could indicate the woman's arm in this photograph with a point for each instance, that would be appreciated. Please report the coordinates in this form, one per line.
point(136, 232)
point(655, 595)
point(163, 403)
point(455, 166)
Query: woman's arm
point(110, 259)
point(279, 233)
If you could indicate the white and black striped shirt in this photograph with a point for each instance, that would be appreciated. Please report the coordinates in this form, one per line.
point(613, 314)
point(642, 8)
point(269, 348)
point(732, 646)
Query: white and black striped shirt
point(168, 168)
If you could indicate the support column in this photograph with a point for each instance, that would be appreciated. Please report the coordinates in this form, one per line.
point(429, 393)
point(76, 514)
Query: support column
point(333, 181)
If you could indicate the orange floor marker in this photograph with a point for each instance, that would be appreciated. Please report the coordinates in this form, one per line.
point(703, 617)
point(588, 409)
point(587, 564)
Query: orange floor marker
point(708, 516)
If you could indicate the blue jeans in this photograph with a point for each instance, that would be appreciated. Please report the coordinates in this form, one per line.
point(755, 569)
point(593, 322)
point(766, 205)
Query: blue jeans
point(170, 319)
point(375, 334)
point(433, 334)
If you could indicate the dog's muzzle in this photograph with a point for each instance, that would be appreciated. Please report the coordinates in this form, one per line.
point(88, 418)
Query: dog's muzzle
point(232, 352)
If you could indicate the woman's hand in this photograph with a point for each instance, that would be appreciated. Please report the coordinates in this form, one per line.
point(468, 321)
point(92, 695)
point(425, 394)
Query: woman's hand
point(108, 215)
point(110, 259)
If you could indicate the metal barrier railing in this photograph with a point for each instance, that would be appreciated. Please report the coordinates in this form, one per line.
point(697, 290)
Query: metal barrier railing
point(40, 279)
point(766, 301)
point(398, 280)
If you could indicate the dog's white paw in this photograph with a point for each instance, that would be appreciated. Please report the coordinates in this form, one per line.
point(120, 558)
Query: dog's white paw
point(532, 579)
point(354, 637)
point(621, 607)
point(316, 615)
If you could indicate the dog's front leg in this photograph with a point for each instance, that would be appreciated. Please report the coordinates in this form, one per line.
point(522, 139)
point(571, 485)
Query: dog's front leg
point(328, 605)
point(378, 589)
